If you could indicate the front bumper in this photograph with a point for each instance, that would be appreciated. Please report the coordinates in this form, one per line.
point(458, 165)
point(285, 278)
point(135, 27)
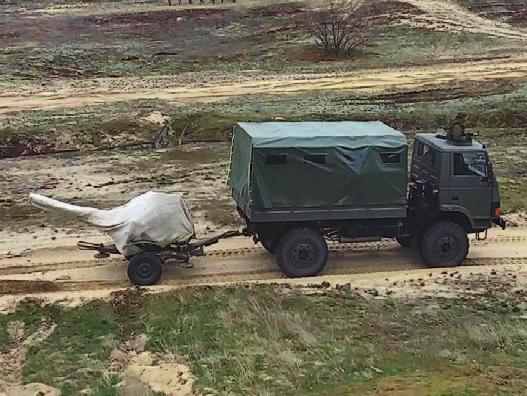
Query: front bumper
point(500, 222)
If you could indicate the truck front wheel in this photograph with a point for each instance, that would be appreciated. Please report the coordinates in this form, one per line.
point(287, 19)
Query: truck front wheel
point(302, 252)
point(444, 244)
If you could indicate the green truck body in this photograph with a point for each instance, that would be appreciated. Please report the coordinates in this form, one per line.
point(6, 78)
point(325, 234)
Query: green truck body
point(318, 169)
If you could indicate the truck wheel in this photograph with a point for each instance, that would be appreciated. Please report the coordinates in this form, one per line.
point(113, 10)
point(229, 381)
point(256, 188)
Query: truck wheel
point(405, 241)
point(302, 252)
point(144, 269)
point(444, 244)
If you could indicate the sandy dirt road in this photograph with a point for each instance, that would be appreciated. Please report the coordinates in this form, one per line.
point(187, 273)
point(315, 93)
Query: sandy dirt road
point(446, 15)
point(65, 273)
point(68, 95)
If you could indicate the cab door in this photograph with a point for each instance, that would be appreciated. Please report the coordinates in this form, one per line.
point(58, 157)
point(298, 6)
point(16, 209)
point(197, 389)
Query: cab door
point(471, 186)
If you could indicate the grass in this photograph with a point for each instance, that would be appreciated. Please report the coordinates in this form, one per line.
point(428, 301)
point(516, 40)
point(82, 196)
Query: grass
point(30, 314)
point(397, 46)
point(75, 356)
point(278, 340)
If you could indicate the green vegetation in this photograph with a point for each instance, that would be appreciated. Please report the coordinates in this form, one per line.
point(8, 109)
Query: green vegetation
point(398, 46)
point(282, 340)
point(30, 314)
point(76, 354)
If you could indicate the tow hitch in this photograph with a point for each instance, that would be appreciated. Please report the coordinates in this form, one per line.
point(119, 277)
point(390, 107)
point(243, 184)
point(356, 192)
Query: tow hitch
point(479, 237)
point(500, 222)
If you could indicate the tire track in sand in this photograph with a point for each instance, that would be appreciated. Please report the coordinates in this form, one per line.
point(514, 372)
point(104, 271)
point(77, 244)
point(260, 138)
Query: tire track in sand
point(357, 247)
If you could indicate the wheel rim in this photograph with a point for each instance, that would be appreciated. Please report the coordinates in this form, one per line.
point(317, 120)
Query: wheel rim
point(303, 255)
point(144, 270)
point(446, 247)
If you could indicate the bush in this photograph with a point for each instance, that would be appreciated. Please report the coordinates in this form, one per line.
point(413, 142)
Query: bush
point(341, 28)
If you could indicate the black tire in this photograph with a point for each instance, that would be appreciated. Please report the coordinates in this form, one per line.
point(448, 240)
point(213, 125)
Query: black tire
point(144, 269)
point(302, 252)
point(405, 241)
point(444, 244)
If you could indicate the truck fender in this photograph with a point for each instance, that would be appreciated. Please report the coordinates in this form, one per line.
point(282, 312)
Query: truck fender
point(459, 214)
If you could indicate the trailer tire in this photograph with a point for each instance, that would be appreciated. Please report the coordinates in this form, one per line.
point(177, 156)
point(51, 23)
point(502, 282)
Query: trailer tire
point(444, 244)
point(302, 252)
point(144, 269)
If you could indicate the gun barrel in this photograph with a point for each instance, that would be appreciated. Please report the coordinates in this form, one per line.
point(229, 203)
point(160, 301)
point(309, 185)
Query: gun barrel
point(47, 203)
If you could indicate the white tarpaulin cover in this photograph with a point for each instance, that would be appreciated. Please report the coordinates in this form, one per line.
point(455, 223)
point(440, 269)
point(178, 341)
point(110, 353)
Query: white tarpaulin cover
point(154, 217)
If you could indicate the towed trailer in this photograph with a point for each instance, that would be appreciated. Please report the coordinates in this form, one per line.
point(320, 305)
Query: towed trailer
point(149, 230)
point(146, 266)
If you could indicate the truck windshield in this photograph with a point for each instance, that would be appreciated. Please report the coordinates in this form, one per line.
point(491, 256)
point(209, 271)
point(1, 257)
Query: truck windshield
point(471, 163)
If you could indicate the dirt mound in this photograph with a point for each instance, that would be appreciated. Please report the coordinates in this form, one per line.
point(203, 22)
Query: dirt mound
point(126, 303)
point(146, 374)
point(124, 131)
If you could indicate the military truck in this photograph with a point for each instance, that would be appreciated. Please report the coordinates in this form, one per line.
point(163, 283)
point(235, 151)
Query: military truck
point(300, 184)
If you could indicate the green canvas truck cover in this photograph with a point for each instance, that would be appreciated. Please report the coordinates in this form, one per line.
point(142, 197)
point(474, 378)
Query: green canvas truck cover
point(291, 165)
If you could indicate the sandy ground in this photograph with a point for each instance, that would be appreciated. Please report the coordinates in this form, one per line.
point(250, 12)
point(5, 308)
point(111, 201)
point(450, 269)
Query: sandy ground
point(61, 273)
point(446, 15)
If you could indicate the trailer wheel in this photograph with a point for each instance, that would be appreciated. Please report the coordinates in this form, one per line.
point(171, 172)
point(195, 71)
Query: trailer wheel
point(144, 269)
point(302, 252)
point(444, 244)
point(405, 241)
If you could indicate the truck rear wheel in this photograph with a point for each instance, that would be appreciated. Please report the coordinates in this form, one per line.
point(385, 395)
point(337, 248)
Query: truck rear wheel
point(302, 252)
point(144, 269)
point(444, 244)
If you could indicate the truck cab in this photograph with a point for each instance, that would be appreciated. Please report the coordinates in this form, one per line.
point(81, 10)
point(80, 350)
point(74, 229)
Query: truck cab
point(454, 178)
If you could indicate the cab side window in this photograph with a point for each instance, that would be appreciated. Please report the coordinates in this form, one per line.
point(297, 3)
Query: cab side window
point(470, 164)
point(460, 167)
